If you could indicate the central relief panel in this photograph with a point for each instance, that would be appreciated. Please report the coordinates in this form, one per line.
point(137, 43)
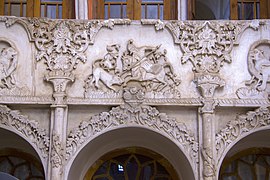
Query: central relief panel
point(145, 67)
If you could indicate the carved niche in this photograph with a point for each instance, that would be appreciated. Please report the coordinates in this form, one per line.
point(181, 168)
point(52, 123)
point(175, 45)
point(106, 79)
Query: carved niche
point(146, 67)
point(259, 68)
point(133, 112)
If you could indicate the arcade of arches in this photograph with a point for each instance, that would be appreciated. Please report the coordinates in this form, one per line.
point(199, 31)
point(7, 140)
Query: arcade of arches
point(134, 99)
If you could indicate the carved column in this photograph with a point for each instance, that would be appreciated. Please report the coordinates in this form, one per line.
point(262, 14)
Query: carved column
point(58, 124)
point(207, 84)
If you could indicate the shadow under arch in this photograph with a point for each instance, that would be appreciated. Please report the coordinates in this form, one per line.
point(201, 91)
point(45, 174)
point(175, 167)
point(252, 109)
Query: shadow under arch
point(254, 139)
point(14, 143)
point(125, 137)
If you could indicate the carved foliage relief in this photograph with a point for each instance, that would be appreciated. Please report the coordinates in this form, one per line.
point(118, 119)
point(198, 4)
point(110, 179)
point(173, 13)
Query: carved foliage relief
point(259, 67)
point(12, 119)
point(133, 112)
point(206, 44)
point(242, 125)
point(144, 66)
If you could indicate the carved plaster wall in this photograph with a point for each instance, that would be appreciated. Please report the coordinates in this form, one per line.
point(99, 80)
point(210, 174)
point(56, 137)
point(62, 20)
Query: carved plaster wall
point(168, 77)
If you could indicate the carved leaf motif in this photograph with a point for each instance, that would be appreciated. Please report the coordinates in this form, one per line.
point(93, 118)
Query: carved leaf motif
point(14, 120)
point(121, 115)
point(235, 129)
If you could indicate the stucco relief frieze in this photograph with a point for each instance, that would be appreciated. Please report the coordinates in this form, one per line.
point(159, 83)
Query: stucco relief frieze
point(62, 45)
point(259, 67)
point(133, 112)
point(243, 124)
point(147, 66)
point(206, 44)
point(15, 121)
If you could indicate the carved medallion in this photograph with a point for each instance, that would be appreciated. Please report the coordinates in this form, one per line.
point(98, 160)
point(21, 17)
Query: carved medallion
point(259, 68)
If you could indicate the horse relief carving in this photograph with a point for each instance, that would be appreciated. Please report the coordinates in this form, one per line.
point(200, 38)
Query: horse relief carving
point(259, 68)
point(143, 66)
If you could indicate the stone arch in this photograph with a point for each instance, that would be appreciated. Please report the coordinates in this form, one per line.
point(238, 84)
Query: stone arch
point(256, 139)
point(16, 146)
point(26, 131)
point(129, 136)
point(246, 131)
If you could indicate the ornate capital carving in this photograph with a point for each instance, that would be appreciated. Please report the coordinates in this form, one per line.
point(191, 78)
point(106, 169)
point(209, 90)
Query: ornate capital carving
point(207, 83)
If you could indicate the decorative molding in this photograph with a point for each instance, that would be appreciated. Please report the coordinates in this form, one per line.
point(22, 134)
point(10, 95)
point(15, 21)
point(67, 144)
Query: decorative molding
point(145, 66)
point(14, 120)
point(259, 68)
point(242, 125)
point(133, 112)
point(26, 99)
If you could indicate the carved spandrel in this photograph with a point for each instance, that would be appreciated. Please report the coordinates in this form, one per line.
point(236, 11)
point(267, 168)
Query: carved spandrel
point(242, 125)
point(133, 112)
point(146, 67)
point(15, 121)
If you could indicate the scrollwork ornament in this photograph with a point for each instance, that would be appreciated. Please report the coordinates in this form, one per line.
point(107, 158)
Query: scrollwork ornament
point(242, 125)
point(206, 44)
point(124, 115)
point(12, 119)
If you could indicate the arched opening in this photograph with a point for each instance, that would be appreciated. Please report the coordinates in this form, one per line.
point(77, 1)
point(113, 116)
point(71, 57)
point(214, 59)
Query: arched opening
point(122, 138)
point(18, 158)
point(131, 163)
point(248, 159)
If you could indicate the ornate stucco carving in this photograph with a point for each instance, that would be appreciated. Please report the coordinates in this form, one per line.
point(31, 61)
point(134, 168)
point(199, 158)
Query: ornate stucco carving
point(133, 112)
point(13, 120)
point(207, 44)
point(259, 68)
point(243, 124)
point(8, 64)
point(61, 44)
point(9, 86)
point(57, 153)
point(146, 66)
